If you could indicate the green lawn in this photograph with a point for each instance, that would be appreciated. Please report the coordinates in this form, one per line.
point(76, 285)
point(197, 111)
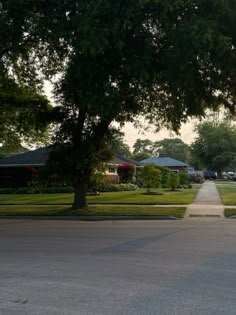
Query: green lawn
point(92, 211)
point(227, 193)
point(230, 212)
point(126, 197)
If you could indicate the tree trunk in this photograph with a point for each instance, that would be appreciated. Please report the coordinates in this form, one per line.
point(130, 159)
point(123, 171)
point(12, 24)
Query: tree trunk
point(81, 189)
point(84, 171)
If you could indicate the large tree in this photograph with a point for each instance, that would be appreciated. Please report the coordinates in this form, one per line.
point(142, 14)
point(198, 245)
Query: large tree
point(215, 145)
point(119, 60)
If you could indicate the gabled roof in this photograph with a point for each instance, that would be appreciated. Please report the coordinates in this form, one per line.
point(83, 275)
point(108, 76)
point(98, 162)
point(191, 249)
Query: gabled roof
point(39, 157)
point(164, 161)
point(121, 160)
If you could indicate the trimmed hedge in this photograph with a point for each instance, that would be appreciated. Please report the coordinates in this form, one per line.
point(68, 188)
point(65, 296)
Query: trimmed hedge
point(55, 190)
point(117, 187)
point(29, 190)
point(8, 190)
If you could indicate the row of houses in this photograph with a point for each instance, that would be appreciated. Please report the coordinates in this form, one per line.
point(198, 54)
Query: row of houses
point(18, 170)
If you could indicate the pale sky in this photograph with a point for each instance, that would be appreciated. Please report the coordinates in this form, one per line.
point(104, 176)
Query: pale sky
point(131, 133)
point(186, 134)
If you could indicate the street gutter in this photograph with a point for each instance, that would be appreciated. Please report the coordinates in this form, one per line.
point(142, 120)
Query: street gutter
point(90, 218)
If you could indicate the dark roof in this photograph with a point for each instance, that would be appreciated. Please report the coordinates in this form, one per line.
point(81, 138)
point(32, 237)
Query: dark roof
point(39, 157)
point(121, 159)
point(164, 161)
point(35, 158)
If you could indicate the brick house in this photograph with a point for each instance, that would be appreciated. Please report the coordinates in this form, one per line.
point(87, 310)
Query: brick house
point(18, 170)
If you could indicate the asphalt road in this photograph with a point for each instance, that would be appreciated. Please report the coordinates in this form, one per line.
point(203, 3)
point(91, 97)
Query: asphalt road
point(122, 267)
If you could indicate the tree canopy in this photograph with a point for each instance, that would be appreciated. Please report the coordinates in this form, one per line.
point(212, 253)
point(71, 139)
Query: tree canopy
point(215, 146)
point(143, 145)
point(116, 61)
point(23, 107)
point(174, 148)
point(142, 149)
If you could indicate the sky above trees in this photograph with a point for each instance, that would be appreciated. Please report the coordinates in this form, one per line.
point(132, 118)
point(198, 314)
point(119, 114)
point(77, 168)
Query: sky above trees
point(187, 133)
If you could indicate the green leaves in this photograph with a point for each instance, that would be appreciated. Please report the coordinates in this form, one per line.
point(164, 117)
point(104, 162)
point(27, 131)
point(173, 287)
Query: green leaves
point(215, 146)
point(174, 148)
point(151, 176)
point(173, 181)
point(24, 112)
point(23, 107)
point(116, 61)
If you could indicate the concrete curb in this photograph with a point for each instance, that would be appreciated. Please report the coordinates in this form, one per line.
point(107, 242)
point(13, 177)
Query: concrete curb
point(91, 218)
point(99, 204)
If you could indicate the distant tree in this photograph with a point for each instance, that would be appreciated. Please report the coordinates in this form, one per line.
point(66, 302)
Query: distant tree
point(215, 145)
point(126, 172)
point(173, 181)
point(174, 148)
point(143, 146)
point(140, 156)
point(151, 176)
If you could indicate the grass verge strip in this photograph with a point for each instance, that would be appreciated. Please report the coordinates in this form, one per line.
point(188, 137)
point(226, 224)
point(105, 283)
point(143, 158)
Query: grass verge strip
point(92, 211)
point(227, 193)
point(125, 197)
point(230, 212)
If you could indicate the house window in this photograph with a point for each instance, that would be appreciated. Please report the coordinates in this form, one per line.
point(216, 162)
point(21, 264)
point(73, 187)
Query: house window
point(112, 170)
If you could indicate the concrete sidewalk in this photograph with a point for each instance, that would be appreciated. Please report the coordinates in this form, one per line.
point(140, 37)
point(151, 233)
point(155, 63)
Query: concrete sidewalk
point(207, 203)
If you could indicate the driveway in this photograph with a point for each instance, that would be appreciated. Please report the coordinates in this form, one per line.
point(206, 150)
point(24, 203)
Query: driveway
point(128, 267)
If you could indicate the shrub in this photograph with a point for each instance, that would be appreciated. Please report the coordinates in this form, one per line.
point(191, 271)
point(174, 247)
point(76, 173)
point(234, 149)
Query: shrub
point(67, 189)
point(151, 176)
point(29, 190)
point(117, 187)
point(95, 181)
point(36, 186)
point(165, 173)
point(126, 172)
point(183, 179)
point(7, 191)
point(23, 190)
point(58, 190)
point(173, 181)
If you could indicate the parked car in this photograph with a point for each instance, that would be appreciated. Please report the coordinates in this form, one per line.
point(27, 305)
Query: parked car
point(211, 175)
